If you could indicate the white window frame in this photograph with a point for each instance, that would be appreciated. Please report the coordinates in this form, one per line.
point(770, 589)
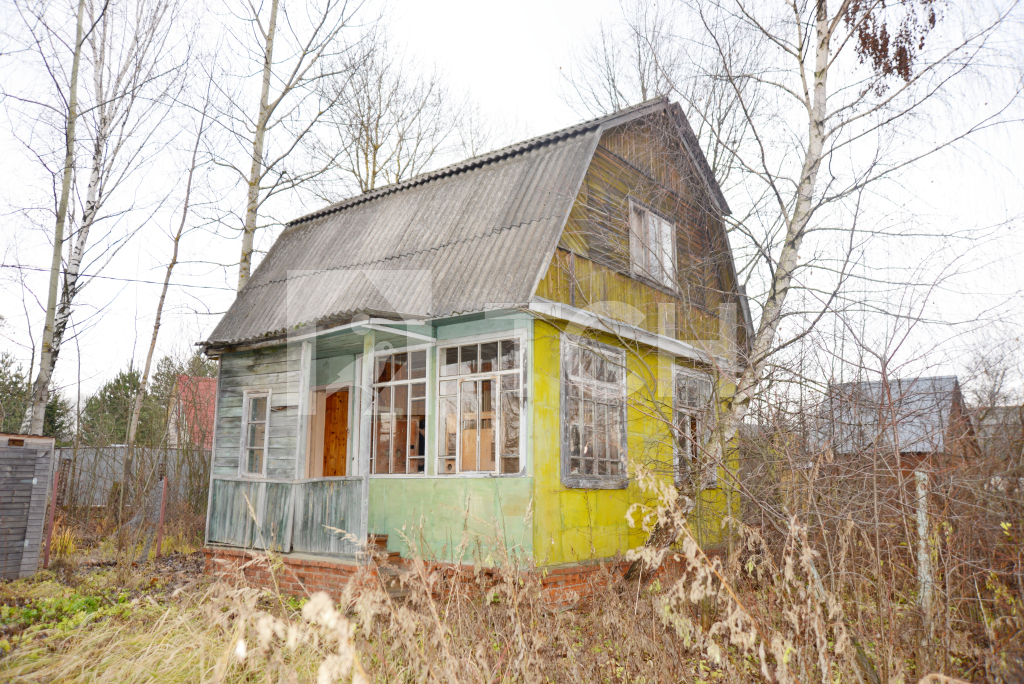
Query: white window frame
point(521, 337)
point(582, 480)
point(682, 459)
point(243, 470)
point(428, 348)
point(642, 254)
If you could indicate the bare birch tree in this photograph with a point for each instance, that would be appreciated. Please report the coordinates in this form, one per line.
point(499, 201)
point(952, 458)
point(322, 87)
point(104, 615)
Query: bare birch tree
point(133, 68)
point(390, 121)
point(296, 51)
point(39, 30)
point(860, 78)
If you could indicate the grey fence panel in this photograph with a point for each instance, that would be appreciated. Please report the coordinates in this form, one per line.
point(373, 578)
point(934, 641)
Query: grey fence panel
point(41, 485)
point(94, 475)
point(24, 480)
point(321, 505)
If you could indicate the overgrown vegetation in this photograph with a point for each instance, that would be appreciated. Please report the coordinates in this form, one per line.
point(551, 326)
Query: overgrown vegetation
point(760, 613)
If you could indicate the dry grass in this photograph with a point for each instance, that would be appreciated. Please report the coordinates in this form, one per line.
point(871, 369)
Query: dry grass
point(462, 634)
point(759, 615)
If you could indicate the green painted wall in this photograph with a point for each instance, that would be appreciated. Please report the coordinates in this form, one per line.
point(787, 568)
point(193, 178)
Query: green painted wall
point(440, 513)
point(332, 369)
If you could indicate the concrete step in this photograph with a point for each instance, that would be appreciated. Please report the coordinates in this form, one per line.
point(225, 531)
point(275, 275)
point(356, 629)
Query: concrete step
point(389, 577)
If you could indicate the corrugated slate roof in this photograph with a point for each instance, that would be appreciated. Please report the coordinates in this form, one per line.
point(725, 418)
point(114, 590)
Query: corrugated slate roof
point(866, 415)
point(470, 237)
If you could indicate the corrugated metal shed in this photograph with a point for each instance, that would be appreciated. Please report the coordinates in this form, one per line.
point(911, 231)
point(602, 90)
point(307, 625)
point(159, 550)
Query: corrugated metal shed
point(915, 411)
point(471, 237)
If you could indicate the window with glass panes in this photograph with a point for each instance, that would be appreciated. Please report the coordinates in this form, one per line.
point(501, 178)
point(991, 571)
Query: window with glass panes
point(256, 413)
point(400, 414)
point(593, 414)
point(652, 245)
point(479, 404)
point(693, 417)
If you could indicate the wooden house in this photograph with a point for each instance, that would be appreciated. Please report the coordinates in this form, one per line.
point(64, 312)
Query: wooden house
point(489, 351)
point(924, 420)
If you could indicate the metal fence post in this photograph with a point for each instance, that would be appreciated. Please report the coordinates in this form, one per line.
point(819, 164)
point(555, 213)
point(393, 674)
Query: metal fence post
point(160, 526)
point(49, 525)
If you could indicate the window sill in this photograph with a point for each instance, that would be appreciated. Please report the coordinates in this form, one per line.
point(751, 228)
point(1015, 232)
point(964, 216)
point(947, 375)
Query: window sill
point(584, 482)
point(458, 476)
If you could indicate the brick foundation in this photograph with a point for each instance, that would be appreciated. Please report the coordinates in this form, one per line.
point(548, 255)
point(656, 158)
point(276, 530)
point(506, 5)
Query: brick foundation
point(299, 575)
point(296, 575)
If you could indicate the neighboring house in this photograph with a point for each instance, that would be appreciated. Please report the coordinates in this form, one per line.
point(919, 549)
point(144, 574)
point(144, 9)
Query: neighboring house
point(921, 419)
point(491, 349)
point(1001, 432)
point(190, 422)
point(1001, 440)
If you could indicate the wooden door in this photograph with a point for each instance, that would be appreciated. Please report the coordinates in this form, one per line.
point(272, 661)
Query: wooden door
point(336, 434)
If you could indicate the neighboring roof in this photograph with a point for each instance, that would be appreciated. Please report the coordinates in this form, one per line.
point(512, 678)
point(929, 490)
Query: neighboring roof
point(471, 237)
point(913, 411)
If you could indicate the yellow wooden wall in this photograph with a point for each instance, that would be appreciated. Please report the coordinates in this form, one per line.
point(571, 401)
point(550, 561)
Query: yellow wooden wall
point(591, 270)
point(573, 525)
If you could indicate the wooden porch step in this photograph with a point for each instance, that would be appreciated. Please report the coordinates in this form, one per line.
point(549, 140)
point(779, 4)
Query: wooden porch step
point(379, 543)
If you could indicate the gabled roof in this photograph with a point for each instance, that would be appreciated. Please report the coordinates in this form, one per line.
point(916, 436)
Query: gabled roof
point(860, 416)
point(467, 238)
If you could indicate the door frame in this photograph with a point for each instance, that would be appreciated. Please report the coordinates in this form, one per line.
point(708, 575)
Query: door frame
point(313, 445)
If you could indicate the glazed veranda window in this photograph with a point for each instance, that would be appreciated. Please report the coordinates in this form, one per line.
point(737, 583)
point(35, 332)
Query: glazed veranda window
point(479, 407)
point(400, 414)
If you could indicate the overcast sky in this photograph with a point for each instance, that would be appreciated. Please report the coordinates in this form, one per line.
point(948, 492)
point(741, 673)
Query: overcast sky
point(508, 57)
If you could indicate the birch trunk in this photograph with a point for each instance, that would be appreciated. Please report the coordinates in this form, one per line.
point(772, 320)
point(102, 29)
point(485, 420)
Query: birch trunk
point(925, 578)
point(737, 405)
point(35, 414)
point(256, 171)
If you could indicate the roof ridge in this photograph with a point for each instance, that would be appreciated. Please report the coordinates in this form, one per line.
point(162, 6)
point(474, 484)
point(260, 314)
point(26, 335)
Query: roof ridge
point(520, 147)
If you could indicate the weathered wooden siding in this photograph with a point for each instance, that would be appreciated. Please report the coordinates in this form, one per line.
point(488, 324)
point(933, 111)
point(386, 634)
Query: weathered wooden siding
point(275, 369)
point(24, 483)
point(251, 513)
point(592, 262)
point(323, 504)
point(286, 516)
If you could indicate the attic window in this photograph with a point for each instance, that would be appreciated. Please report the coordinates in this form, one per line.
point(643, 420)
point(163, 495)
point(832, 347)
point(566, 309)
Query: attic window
point(593, 414)
point(652, 246)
